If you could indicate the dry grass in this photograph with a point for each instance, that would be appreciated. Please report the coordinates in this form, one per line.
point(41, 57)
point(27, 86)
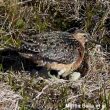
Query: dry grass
point(91, 92)
point(8, 99)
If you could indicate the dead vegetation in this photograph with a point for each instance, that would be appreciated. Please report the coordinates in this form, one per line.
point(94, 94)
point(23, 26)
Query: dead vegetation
point(8, 99)
point(92, 91)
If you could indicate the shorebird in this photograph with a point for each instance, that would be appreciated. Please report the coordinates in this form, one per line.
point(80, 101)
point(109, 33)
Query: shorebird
point(60, 51)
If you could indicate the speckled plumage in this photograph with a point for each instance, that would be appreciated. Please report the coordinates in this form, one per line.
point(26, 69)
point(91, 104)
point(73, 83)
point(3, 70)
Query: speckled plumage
point(55, 50)
point(53, 46)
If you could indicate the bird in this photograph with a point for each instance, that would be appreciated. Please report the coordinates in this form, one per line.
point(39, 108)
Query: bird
point(56, 50)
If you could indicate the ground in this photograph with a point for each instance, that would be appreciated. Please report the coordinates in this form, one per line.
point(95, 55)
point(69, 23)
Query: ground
point(36, 90)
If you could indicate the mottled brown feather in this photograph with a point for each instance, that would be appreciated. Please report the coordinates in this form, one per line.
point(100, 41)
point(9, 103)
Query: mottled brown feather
point(55, 50)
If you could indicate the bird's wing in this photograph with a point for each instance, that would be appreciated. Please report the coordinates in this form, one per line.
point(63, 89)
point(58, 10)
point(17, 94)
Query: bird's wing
point(53, 46)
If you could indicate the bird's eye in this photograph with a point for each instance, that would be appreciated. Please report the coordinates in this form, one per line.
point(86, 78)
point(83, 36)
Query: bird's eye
point(85, 36)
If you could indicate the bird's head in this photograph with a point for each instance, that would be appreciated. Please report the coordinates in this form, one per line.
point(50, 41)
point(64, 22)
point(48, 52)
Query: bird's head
point(81, 37)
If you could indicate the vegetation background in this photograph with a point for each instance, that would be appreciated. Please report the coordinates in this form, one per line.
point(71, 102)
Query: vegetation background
point(91, 92)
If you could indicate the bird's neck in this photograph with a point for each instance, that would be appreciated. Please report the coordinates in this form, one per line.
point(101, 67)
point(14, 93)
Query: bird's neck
point(78, 62)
